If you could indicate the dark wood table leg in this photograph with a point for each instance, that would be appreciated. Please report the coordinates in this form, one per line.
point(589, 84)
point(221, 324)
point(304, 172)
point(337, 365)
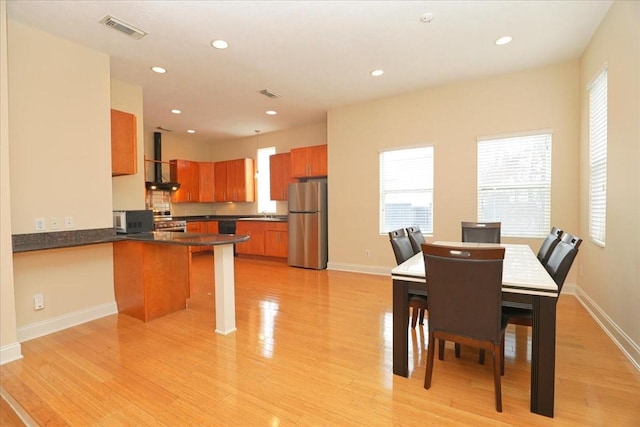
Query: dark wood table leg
point(543, 355)
point(400, 325)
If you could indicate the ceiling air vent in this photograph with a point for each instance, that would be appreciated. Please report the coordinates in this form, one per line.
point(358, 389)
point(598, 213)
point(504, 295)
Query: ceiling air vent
point(269, 93)
point(123, 27)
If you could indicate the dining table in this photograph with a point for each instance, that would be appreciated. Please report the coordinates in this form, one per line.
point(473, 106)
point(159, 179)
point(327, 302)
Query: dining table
point(525, 282)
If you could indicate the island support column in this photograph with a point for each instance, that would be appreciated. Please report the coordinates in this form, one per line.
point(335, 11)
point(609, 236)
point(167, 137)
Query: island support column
point(225, 289)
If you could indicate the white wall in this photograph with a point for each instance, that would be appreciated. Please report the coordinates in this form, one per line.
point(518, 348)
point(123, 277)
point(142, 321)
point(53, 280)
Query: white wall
point(128, 190)
point(450, 118)
point(609, 279)
point(60, 165)
point(9, 347)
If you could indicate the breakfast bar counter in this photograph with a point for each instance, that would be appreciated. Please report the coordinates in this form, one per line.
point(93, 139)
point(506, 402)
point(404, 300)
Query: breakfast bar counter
point(151, 274)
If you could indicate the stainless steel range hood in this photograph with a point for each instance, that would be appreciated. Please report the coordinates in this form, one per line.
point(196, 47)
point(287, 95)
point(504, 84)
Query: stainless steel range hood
point(158, 183)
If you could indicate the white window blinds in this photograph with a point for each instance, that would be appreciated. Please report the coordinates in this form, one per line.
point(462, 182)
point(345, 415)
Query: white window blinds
point(598, 158)
point(514, 183)
point(406, 189)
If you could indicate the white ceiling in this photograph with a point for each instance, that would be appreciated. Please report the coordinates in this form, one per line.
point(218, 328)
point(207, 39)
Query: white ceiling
point(316, 54)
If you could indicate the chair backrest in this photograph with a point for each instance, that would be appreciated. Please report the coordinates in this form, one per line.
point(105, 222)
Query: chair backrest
point(416, 238)
point(561, 259)
point(548, 244)
point(465, 290)
point(481, 232)
point(401, 245)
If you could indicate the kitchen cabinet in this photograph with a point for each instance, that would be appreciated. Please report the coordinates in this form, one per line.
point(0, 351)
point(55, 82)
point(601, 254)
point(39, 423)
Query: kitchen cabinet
point(280, 175)
point(124, 143)
point(204, 227)
point(206, 173)
point(150, 280)
point(276, 240)
point(187, 174)
point(307, 162)
point(234, 181)
point(267, 238)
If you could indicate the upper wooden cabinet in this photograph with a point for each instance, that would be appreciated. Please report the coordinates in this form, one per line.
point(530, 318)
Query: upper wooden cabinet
point(206, 191)
point(124, 143)
point(187, 174)
point(309, 162)
point(234, 181)
point(280, 175)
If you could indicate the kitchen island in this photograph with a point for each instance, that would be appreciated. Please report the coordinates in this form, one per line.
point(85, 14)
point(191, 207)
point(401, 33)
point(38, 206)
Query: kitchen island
point(151, 274)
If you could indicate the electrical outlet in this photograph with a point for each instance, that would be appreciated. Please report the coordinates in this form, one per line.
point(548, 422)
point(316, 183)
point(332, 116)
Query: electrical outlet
point(40, 224)
point(367, 253)
point(38, 301)
point(54, 222)
point(68, 222)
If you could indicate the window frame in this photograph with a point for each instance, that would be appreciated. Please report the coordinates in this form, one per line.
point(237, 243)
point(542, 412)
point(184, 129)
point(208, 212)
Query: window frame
point(598, 147)
point(384, 192)
point(536, 192)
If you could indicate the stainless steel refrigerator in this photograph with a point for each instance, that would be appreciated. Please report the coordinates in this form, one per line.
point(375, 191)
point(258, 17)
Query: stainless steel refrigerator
point(308, 225)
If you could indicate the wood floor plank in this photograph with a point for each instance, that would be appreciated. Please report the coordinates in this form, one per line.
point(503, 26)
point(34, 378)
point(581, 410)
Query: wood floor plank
point(312, 348)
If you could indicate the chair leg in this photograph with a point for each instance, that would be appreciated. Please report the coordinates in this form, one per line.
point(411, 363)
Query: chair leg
point(496, 376)
point(421, 311)
point(430, 353)
point(441, 349)
point(481, 356)
point(457, 350)
point(502, 356)
point(414, 317)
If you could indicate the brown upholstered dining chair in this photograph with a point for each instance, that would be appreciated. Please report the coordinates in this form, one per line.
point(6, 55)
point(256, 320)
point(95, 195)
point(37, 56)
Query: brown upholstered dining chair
point(403, 250)
point(558, 266)
point(416, 237)
point(481, 232)
point(465, 294)
point(548, 244)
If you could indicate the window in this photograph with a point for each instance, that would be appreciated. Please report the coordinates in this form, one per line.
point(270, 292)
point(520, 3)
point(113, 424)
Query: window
point(514, 183)
point(406, 189)
point(265, 204)
point(598, 158)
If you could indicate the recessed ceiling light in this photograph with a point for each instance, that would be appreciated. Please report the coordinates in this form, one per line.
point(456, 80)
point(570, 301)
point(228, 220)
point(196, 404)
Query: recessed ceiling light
point(174, 111)
point(503, 40)
point(377, 73)
point(271, 112)
point(220, 44)
point(191, 131)
point(158, 70)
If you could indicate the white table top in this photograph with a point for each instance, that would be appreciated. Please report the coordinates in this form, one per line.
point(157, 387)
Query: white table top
point(522, 272)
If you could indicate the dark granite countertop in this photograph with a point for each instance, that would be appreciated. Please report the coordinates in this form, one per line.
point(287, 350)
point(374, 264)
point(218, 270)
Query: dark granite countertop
point(188, 239)
point(274, 218)
point(67, 239)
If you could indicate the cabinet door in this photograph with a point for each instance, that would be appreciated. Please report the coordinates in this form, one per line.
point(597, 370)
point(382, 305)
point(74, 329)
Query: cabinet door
point(240, 180)
point(256, 233)
point(309, 162)
point(317, 160)
point(212, 227)
point(194, 227)
point(277, 240)
point(298, 162)
point(186, 173)
point(220, 182)
point(280, 175)
point(206, 190)
point(124, 143)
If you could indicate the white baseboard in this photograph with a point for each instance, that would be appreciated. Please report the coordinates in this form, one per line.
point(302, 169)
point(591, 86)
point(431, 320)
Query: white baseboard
point(357, 268)
point(39, 329)
point(11, 352)
point(630, 348)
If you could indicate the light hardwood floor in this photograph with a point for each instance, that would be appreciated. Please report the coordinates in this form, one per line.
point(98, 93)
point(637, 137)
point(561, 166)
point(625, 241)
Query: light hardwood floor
point(313, 348)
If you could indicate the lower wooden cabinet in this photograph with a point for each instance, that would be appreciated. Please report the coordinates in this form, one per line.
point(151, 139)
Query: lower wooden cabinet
point(150, 279)
point(267, 238)
point(204, 227)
